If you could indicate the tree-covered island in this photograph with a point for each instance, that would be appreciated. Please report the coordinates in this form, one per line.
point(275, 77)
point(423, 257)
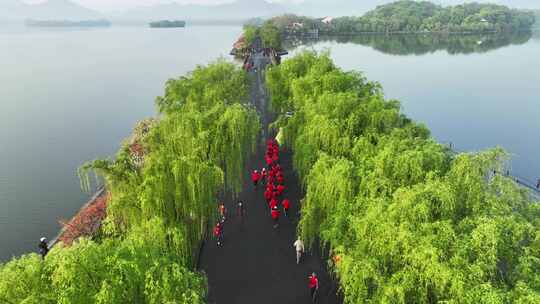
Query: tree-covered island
point(407, 16)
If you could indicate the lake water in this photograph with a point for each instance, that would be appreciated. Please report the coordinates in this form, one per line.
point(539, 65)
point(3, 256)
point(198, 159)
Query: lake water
point(70, 95)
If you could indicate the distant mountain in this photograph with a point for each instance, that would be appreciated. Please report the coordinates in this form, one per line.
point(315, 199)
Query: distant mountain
point(49, 10)
point(239, 10)
point(62, 9)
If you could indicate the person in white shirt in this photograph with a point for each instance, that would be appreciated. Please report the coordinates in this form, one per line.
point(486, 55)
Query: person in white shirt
point(299, 245)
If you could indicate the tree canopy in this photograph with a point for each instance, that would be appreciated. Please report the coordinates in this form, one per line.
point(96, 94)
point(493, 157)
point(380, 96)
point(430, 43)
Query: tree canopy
point(420, 16)
point(403, 218)
point(268, 32)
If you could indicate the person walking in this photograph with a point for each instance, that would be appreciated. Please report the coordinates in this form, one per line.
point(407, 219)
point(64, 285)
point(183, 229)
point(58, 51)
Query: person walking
point(218, 233)
point(538, 184)
point(268, 195)
point(313, 286)
point(273, 204)
point(285, 204)
point(275, 216)
point(222, 211)
point(275, 158)
point(268, 160)
point(240, 210)
point(43, 247)
point(280, 178)
point(280, 189)
point(255, 177)
point(299, 245)
point(263, 174)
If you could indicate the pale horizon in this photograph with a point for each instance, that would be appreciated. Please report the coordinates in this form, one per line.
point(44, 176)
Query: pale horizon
point(106, 6)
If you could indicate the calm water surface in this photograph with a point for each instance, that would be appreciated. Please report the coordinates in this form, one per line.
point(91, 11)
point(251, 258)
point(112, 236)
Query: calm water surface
point(68, 96)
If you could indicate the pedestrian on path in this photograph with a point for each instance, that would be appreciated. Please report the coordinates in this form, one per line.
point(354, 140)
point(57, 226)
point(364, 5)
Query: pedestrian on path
point(255, 177)
point(275, 158)
point(285, 204)
point(275, 216)
point(43, 247)
point(299, 245)
point(538, 184)
point(218, 233)
point(280, 178)
point(273, 204)
point(240, 209)
point(268, 159)
point(271, 180)
point(222, 211)
point(280, 189)
point(313, 286)
point(264, 174)
point(268, 195)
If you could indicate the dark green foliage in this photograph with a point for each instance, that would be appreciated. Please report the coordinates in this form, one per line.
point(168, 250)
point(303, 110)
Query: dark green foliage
point(268, 32)
point(404, 219)
point(406, 16)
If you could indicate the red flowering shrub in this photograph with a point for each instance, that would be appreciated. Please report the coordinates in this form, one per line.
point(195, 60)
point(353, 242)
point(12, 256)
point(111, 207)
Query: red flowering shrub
point(87, 222)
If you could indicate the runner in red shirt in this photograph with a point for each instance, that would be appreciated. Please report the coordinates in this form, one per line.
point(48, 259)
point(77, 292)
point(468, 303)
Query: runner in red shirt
point(275, 216)
point(272, 172)
point(280, 178)
point(280, 189)
point(275, 158)
point(313, 286)
point(255, 177)
point(218, 233)
point(268, 195)
point(285, 203)
point(273, 203)
point(271, 180)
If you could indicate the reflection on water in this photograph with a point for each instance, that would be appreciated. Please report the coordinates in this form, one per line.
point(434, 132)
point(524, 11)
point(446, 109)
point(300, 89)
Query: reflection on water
point(420, 44)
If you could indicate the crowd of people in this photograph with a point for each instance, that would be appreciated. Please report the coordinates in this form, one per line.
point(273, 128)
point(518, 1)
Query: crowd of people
point(270, 177)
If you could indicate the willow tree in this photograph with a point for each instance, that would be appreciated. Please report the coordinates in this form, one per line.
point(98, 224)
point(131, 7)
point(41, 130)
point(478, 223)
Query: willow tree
point(405, 220)
point(198, 148)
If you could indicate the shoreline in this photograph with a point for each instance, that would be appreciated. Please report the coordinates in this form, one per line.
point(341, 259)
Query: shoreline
point(84, 219)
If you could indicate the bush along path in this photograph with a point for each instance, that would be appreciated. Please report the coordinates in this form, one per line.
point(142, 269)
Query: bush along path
point(256, 263)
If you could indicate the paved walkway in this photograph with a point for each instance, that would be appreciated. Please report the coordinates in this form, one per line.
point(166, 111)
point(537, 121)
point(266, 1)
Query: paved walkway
point(257, 263)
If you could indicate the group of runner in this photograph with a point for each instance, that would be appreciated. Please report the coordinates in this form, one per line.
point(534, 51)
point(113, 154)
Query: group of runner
point(272, 177)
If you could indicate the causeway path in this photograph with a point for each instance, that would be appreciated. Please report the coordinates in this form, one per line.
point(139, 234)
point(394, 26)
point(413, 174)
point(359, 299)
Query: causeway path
point(256, 263)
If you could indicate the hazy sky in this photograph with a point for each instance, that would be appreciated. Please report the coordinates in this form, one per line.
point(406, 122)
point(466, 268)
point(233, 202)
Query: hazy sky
point(109, 5)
